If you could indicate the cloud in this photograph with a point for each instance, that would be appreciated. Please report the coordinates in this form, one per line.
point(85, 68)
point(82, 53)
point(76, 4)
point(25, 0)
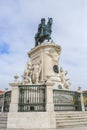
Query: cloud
point(19, 20)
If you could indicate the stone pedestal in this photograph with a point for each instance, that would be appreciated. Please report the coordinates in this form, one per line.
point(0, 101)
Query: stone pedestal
point(31, 120)
point(43, 68)
point(48, 55)
point(14, 97)
point(49, 96)
point(82, 102)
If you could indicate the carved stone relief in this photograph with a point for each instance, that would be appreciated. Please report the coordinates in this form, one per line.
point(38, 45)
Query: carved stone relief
point(32, 73)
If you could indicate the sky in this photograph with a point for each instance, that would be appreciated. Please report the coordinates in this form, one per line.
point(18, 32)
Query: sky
point(19, 21)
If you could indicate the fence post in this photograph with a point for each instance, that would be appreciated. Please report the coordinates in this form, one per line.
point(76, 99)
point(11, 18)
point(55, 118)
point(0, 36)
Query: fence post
point(49, 96)
point(82, 99)
point(82, 102)
point(14, 97)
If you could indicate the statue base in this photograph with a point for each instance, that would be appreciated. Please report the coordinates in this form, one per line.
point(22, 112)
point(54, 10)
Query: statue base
point(48, 55)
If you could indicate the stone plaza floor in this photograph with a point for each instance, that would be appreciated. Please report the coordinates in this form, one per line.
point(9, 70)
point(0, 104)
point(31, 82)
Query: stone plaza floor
point(72, 128)
point(69, 128)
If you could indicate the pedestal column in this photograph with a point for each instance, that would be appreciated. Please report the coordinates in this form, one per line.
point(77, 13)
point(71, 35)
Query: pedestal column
point(82, 102)
point(47, 54)
point(49, 96)
point(14, 97)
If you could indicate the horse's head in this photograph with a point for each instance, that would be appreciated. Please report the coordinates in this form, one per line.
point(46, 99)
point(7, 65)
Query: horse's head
point(50, 21)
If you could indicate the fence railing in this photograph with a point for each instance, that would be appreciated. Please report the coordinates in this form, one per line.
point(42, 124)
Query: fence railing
point(66, 100)
point(1, 102)
point(5, 100)
point(31, 98)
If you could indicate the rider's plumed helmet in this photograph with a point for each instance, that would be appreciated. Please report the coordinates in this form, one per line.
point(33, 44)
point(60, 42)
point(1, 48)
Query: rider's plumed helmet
point(43, 19)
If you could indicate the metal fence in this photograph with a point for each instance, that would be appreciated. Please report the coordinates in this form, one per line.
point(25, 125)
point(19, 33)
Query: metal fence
point(5, 100)
point(31, 98)
point(1, 102)
point(66, 100)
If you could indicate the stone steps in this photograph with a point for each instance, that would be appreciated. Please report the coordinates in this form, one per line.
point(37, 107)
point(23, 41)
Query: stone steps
point(67, 119)
point(3, 121)
point(63, 125)
point(72, 120)
point(71, 117)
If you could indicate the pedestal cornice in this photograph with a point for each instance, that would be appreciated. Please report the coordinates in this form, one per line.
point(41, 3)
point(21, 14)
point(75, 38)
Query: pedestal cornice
point(14, 84)
point(45, 45)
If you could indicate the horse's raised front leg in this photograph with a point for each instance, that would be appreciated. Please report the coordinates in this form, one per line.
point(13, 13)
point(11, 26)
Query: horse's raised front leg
point(49, 38)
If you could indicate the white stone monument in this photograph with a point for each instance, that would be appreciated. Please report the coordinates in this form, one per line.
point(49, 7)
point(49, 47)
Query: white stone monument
point(43, 68)
point(44, 65)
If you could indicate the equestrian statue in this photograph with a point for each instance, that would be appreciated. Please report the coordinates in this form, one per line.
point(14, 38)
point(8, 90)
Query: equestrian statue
point(44, 31)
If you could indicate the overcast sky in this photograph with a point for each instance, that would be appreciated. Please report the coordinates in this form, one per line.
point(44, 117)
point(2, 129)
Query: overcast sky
point(19, 20)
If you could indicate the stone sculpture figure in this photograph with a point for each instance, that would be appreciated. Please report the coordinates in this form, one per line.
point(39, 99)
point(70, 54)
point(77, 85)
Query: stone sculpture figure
point(27, 76)
point(25, 80)
point(64, 78)
point(44, 31)
point(32, 73)
point(37, 71)
point(54, 54)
